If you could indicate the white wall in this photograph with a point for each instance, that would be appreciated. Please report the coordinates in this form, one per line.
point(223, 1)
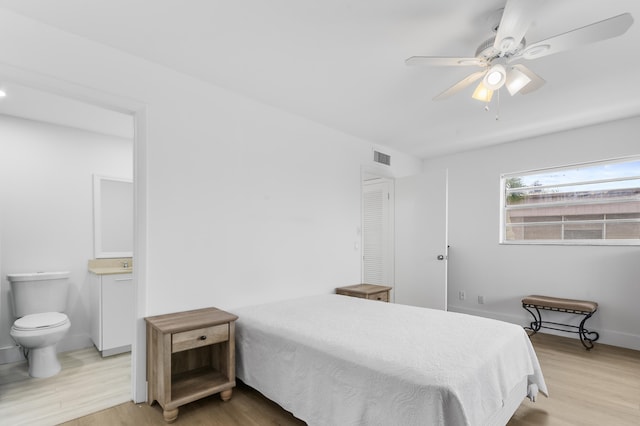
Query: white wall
point(503, 274)
point(244, 203)
point(46, 193)
point(248, 204)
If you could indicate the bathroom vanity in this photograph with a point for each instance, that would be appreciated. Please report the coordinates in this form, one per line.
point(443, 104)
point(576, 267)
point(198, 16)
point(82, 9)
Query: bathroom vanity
point(112, 306)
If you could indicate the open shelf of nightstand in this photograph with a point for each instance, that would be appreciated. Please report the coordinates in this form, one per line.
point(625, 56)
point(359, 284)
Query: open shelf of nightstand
point(192, 385)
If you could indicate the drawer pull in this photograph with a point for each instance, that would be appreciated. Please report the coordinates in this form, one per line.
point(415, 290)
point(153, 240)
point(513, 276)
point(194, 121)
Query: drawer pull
point(203, 337)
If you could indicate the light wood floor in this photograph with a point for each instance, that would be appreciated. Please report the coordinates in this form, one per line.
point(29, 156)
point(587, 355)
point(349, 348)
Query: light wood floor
point(86, 384)
point(599, 387)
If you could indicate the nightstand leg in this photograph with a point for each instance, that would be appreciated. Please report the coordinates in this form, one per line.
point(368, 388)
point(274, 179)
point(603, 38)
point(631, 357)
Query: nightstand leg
point(226, 395)
point(170, 416)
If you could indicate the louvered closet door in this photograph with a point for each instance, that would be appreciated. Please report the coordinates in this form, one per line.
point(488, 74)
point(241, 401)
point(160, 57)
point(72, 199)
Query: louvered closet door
point(377, 231)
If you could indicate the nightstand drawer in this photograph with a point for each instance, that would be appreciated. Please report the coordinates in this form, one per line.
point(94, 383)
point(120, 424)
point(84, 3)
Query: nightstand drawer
point(382, 296)
point(199, 337)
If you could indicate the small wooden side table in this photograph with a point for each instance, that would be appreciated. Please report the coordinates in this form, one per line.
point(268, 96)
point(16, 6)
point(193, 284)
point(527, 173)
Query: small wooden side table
point(190, 355)
point(366, 291)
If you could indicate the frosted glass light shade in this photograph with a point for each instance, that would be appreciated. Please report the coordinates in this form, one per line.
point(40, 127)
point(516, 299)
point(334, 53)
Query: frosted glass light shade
point(482, 93)
point(516, 80)
point(495, 77)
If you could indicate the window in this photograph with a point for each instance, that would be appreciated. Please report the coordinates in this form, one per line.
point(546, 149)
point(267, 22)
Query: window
point(594, 203)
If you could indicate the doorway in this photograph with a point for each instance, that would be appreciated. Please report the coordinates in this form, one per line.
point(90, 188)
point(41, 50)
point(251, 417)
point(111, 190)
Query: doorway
point(136, 113)
point(378, 231)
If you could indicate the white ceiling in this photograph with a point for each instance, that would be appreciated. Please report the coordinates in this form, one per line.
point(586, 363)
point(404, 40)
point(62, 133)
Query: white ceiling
point(37, 105)
point(341, 62)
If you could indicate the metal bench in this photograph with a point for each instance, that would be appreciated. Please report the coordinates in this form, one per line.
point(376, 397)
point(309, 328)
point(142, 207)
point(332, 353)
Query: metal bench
point(580, 307)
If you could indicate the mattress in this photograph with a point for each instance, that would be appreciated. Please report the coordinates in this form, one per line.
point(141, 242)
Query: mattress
point(339, 360)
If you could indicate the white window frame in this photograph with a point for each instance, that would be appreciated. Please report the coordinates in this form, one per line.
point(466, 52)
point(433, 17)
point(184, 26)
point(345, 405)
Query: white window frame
point(600, 242)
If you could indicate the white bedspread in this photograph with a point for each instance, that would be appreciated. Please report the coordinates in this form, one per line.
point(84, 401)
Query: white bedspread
point(337, 360)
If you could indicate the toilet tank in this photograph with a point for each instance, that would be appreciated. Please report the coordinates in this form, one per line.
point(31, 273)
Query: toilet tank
point(38, 292)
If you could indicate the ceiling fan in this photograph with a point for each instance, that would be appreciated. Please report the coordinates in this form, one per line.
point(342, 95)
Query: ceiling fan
point(497, 56)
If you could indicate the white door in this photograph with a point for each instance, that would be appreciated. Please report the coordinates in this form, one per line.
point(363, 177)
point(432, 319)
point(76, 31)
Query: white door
point(421, 240)
point(377, 232)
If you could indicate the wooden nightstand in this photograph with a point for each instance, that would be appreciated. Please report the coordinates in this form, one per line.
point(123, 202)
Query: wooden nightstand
point(190, 355)
point(366, 291)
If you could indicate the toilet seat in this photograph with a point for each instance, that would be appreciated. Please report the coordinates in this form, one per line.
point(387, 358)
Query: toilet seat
point(41, 321)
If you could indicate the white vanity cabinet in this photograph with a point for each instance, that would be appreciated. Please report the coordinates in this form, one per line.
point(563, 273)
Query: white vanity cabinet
point(112, 313)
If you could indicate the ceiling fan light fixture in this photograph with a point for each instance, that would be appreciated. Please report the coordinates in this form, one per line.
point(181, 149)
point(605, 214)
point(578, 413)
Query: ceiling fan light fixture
point(482, 93)
point(495, 77)
point(516, 80)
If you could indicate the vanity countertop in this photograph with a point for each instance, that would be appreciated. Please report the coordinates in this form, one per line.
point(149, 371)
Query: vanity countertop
point(111, 266)
point(109, 271)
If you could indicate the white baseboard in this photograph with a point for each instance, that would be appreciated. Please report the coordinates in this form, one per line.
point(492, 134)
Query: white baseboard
point(607, 337)
point(10, 354)
point(487, 314)
point(75, 342)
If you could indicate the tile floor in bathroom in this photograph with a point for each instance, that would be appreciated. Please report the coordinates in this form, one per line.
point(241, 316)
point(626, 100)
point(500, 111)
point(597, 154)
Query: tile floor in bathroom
point(86, 384)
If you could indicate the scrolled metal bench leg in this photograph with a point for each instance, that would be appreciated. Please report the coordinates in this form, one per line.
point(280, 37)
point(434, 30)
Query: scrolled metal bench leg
point(536, 324)
point(583, 332)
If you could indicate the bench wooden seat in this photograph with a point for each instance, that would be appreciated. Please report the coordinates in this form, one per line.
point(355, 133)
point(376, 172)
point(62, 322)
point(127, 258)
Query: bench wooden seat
point(580, 307)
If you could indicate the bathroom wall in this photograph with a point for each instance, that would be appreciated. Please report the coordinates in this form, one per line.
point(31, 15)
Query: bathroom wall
point(46, 214)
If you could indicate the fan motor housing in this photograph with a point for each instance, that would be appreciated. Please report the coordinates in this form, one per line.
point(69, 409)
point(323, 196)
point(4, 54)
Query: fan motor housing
point(489, 53)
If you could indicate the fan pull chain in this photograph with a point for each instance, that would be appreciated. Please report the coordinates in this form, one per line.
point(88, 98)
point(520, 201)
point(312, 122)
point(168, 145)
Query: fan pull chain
point(486, 107)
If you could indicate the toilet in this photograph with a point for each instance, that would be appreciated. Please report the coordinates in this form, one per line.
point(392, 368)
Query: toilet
point(39, 301)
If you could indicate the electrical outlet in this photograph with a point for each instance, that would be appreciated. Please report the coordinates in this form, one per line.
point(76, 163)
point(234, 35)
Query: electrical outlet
point(481, 300)
point(461, 295)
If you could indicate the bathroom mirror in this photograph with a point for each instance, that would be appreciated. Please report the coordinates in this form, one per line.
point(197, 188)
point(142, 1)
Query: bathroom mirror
point(112, 217)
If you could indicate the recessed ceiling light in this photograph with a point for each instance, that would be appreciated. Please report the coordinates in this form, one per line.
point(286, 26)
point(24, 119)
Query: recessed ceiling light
point(2, 93)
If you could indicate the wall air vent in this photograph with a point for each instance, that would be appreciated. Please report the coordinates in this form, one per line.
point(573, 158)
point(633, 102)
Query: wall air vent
point(381, 158)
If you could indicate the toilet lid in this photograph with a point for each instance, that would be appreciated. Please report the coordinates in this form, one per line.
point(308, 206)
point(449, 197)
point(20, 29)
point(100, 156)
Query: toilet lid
point(43, 320)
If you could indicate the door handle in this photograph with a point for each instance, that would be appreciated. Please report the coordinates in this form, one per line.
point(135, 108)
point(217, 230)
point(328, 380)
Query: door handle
point(440, 257)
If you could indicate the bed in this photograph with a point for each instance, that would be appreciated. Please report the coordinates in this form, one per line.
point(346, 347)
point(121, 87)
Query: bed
point(339, 360)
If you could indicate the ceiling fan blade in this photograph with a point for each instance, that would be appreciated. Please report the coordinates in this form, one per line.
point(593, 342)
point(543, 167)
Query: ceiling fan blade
point(535, 83)
point(516, 19)
point(460, 85)
point(609, 28)
point(443, 61)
